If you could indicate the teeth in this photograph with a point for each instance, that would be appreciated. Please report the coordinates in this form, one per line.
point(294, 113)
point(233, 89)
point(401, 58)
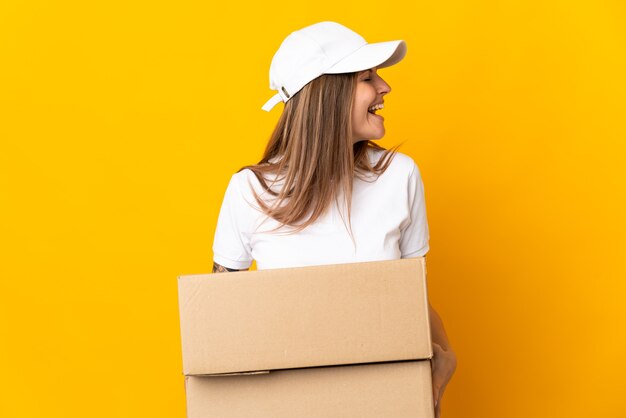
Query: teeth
point(376, 107)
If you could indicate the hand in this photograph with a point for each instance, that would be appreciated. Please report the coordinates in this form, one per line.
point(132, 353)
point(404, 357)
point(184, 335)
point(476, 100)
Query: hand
point(443, 366)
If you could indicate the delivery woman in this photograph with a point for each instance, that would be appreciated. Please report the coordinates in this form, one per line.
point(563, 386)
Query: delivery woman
point(324, 192)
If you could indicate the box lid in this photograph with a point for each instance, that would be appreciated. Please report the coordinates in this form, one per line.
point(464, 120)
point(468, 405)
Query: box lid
point(304, 317)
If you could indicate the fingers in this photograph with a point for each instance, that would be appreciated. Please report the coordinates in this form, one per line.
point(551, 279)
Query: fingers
point(436, 384)
point(443, 365)
point(438, 390)
point(438, 376)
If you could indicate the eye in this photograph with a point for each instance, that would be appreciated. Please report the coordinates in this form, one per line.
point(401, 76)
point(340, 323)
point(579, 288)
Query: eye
point(366, 79)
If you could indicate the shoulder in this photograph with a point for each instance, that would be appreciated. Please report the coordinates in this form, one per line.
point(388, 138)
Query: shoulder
point(236, 193)
point(247, 182)
point(239, 188)
point(246, 188)
point(243, 179)
point(402, 165)
point(240, 178)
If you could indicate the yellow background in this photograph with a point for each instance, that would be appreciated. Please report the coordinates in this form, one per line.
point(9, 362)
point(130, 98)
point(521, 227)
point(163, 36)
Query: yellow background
point(122, 122)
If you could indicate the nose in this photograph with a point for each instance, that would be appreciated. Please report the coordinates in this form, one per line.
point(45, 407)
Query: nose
point(383, 87)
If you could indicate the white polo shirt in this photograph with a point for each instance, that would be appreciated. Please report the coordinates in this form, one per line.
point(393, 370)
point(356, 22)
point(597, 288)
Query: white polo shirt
point(388, 222)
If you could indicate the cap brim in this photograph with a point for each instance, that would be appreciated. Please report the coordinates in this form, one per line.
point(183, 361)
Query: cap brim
point(379, 54)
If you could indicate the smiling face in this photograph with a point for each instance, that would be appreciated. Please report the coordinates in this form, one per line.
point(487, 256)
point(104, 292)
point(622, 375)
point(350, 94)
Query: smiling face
point(370, 89)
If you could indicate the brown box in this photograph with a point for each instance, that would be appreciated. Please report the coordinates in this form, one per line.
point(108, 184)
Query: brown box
point(330, 340)
point(376, 390)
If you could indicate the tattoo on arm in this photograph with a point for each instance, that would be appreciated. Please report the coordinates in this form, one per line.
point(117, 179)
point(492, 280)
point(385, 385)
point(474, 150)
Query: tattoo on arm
point(218, 268)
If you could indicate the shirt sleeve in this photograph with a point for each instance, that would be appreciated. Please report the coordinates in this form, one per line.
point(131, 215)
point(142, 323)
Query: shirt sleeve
point(231, 243)
point(414, 240)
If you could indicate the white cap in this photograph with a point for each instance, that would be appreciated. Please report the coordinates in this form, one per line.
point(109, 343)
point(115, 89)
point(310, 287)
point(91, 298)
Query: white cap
point(325, 48)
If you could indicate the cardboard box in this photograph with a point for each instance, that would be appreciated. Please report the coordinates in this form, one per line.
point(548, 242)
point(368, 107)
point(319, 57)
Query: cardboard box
point(330, 340)
point(304, 317)
point(378, 390)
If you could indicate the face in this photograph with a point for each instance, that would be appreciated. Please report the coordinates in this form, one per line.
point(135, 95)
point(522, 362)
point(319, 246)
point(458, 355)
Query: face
point(370, 89)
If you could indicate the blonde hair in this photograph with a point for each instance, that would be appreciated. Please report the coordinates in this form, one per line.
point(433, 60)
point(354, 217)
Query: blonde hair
point(316, 156)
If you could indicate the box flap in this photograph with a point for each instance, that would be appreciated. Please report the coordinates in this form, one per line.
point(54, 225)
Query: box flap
point(235, 374)
point(304, 317)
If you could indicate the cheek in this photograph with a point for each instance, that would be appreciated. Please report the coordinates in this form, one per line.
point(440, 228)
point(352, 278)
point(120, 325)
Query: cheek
point(363, 99)
point(360, 114)
point(363, 108)
point(359, 111)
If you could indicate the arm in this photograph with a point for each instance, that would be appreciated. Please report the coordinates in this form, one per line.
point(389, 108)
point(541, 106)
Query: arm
point(444, 359)
point(438, 333)
point(218, 268)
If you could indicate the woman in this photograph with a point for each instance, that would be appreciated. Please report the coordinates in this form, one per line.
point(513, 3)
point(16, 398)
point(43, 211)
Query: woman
point(327, 192)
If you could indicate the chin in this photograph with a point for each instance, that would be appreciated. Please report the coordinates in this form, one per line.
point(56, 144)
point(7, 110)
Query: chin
point(371, 136)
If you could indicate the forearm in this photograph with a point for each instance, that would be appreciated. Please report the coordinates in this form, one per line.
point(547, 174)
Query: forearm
point(443, 361)
point(438, 333)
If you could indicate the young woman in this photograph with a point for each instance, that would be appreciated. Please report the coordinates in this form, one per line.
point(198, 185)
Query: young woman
point(324, 190)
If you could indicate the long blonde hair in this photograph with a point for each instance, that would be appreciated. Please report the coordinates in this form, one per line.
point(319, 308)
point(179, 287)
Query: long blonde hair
point(316, 156)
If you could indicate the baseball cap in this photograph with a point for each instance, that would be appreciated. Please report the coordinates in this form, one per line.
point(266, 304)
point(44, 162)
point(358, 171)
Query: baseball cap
point(325, 48)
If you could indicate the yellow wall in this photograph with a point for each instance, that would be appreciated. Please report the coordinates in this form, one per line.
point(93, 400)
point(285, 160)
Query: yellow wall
point(121, 123)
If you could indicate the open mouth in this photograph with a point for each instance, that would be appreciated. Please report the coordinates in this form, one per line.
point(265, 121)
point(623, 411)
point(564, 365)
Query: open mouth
point(373, 109)
point(373, 113)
